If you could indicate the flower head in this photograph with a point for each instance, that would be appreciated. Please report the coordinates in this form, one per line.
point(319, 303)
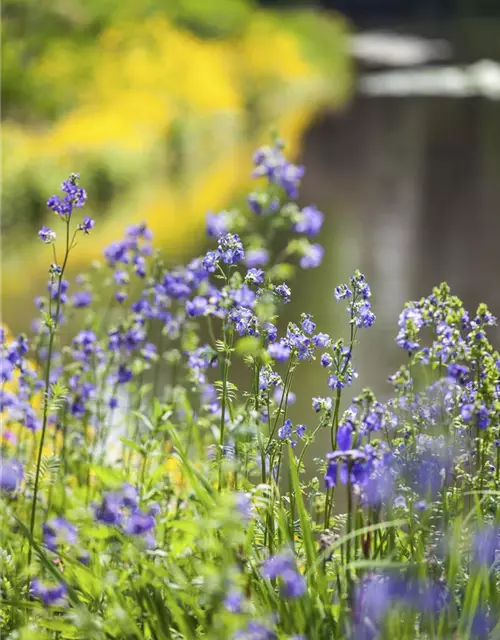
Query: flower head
point(310, 221)
point(11, 475)
point(54, 594)
point(47, 235)
point(58, 531)
point(87, 225)
point(218, 223)
point(312, 257)
point(75, 197)
point(234, 601)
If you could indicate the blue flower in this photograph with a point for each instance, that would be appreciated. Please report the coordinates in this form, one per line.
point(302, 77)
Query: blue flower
point(244, 505)
point(271, 163)
point(254, 276)
point(280, 351)
point(124, 374)
point(278, 394)
point(87, 225)
point(129, 495)
point(218, 223)
point(230, 249)
point(342, 291)
point(326, 360)
point(246, 323)
point(233, 602)
point(268, 378)
point(308, 326)
point(466, 412)
point(276, 565)
point(300, 430)
point(482, 417)
point(458, 372)
point(364, 316)
point(482, 624)
point(294, 584)
point(116, 252)
point(243, 296)
point(255, 631)
point(139, 266)
point(286, 430)
point(210, 261)
point(47, 235)
point(331, 474)
point(11, 475)
point(81, 299)
point(139, 523)
point(149, 352)
point(344, 437)
point(321, 404)
point(49, 594)
point(310, 221)
point(6, 370)
point(58, 531)
point(321, 340)
point(486, 546)
point(262, 203)
point(198, 306)
point(256, 257)
point(283, 291)
point(58, 290)
point(313, 257)
point(270, 332)
point(139, 230)
point(421, 505)
point(75, 197)
point(110, 510)
point(358, 293)
point(283, 566)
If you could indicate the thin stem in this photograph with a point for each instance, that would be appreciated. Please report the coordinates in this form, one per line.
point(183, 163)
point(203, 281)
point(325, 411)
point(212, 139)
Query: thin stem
point(54, 322)
point(335, 420)
point(283, 395)
point(225, 371)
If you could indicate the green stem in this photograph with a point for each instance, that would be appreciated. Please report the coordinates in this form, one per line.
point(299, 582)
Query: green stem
point(225, 371)
point(283, 396)
point(335, 420)
point(53, 329)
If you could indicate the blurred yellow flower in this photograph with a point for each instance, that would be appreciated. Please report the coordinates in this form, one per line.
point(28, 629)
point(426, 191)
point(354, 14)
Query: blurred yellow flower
point(166, 120)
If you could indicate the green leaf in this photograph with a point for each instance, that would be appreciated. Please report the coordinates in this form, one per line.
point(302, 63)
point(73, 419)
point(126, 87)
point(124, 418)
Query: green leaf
point(131, 444)
point(110, 478)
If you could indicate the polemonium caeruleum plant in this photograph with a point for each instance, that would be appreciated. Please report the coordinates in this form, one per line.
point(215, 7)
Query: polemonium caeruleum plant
point(146, 496)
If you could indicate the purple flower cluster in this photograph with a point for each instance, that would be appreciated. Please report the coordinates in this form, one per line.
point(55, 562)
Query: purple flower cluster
point(58, 532)
point(130, 252)
point(46, 235)
point(121, 508)
point(378, 593)
point(282, 566)
point(11, 475)
point(16, 368)
point(75, 197)
point(358, 293)
point(49, 594)
point(229, 251)
point(255, 631)
point(309, 221)
point(271, 163)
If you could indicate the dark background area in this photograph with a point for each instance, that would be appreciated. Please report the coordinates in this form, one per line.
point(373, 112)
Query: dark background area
point(380, 11)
